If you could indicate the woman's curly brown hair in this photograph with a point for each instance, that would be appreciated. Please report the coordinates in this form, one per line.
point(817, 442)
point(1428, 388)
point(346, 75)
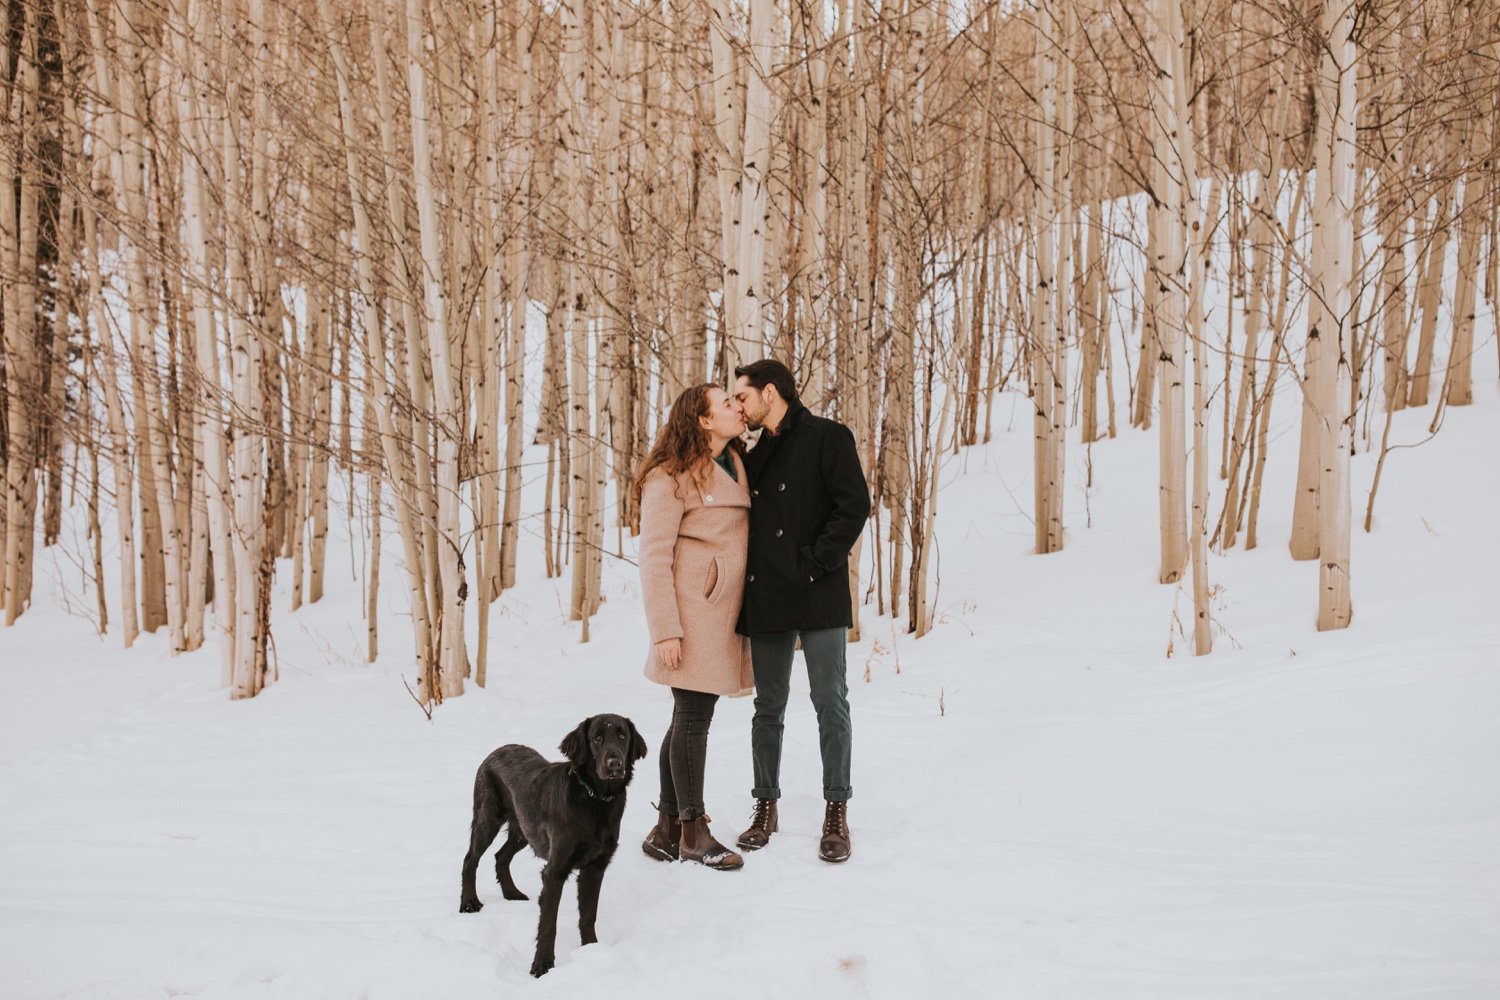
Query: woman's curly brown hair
point(681, 443)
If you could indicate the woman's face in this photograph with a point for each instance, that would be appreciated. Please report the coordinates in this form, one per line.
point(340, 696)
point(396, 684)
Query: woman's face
point(725, 418)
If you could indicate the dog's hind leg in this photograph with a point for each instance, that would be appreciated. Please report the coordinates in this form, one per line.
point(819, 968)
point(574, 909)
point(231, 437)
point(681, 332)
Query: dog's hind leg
point(590, 878)
point(486, 823)
point(513, 843)
point(553, 877)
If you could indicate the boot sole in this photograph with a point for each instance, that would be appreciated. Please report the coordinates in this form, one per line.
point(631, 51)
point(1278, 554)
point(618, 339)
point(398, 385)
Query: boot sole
point(835, 861)
point(750, 847)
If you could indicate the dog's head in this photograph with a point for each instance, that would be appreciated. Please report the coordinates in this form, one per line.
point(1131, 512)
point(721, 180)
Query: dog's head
point(605, 747)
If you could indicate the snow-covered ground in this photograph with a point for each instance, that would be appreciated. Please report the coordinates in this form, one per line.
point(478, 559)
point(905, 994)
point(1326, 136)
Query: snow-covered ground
point(1047, 804)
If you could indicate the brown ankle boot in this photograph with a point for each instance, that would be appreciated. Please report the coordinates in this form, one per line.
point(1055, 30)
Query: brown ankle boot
point(762, 825)
point(834, 846)
point(661, 842)
point(699, 845)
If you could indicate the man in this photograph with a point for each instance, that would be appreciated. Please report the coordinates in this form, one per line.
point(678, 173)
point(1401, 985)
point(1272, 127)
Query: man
point(808, 504)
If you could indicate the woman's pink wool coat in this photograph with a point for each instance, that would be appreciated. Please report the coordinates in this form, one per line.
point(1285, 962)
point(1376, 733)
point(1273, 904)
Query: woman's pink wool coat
point(692, 558)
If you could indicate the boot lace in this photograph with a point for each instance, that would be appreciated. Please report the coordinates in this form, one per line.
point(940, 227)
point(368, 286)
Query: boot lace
point(761, 818)
point(833, 819)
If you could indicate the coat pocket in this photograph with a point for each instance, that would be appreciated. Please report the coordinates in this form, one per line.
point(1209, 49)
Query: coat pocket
point(713, 588)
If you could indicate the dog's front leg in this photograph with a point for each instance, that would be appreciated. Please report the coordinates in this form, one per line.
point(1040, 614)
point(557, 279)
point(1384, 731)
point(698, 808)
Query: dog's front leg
point(590, 878)
point(553, 877)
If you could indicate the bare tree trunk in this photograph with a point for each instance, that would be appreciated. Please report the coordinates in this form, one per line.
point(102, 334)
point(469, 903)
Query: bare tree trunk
point(248, 455)
point(20, 191)
point(1169, 278)
point(452, 660)
point(1430, 295)
point(1458, 384)
point(1049, 308)
point(164, 559)
point(119, 437)
point(1203, 641)
point(1332, 305)
point(515, 349)
point(192, 43)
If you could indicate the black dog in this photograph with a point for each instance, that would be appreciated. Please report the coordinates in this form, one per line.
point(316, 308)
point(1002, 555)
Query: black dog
point(569, 814)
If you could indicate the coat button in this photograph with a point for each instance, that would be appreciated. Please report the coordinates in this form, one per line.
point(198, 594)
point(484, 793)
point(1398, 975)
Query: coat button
point(709, 498)
point(781, 488)
point(750, 578)
point(755, 493)
point(779, 532)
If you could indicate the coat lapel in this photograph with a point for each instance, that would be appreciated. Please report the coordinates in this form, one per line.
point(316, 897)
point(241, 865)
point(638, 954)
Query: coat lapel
point(726, 491)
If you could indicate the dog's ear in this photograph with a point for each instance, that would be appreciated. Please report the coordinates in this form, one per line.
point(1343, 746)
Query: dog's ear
point(637, 742)
point(575, 745)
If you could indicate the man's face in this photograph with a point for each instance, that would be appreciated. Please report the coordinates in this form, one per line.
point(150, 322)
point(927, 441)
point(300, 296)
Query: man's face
point(757, 407)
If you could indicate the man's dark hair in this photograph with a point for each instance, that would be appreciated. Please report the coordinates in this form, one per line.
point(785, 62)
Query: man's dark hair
point(769, 372)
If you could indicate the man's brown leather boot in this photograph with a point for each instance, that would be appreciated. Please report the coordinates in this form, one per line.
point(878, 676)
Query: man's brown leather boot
point(834, 846)
point(762, 825)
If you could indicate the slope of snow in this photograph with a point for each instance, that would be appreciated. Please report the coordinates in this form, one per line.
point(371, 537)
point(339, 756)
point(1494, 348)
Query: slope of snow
point(1046, 803)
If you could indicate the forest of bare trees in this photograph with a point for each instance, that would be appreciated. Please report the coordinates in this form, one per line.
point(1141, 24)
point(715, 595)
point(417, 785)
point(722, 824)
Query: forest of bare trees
point(250, 247)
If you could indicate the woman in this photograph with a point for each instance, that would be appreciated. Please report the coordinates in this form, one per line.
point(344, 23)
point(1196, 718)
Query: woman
point(695, 521)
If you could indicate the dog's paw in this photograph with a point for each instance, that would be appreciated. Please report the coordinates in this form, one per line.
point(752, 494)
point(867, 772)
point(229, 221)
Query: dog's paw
point(541, 966)
point(515, 894)
point(470, 905)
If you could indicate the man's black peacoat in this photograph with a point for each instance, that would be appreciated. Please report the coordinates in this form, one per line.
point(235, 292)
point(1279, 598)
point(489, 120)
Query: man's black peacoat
point(808, 504)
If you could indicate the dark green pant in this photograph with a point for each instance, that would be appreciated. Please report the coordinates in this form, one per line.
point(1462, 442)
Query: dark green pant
point(824, 650)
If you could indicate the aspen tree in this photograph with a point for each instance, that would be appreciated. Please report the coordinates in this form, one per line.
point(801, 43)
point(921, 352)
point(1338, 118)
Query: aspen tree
point(18, 259)
point(552, 418)
point(163, 538)
point(410, 384)
point(192, 42)
point(320, 426)
point(755, 181)
point(585, 458)
point(729, 66)
point(1047, 374)
point(1396, 210)
point(515, 348)
point(248, 455)
point(1144, 388)
point(500, 278)
point(1430, 291)
point(1202, 638)
point(1332, 303)
point(452, 659)
point(968, 420)
point(119, 437)
point(1458, 383)
point(1065, 319)
point(1093, 300)
point(1261, 234)
point(1169, 274)
point(1282, 301)
point(63, 88)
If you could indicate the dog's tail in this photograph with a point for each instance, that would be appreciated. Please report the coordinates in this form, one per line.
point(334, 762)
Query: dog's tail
point(489, 793)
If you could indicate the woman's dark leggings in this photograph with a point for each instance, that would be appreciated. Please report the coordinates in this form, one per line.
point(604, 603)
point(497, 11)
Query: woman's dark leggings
point(684, 753)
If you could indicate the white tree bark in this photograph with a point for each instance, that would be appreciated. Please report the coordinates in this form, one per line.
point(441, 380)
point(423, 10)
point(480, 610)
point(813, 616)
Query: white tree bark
point(191, 42)
point(1331, 308)
point(1169, 276)
point(452, 657)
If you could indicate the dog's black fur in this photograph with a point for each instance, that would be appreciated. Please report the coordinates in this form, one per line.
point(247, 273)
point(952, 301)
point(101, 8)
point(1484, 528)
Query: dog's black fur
point(569, 813)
